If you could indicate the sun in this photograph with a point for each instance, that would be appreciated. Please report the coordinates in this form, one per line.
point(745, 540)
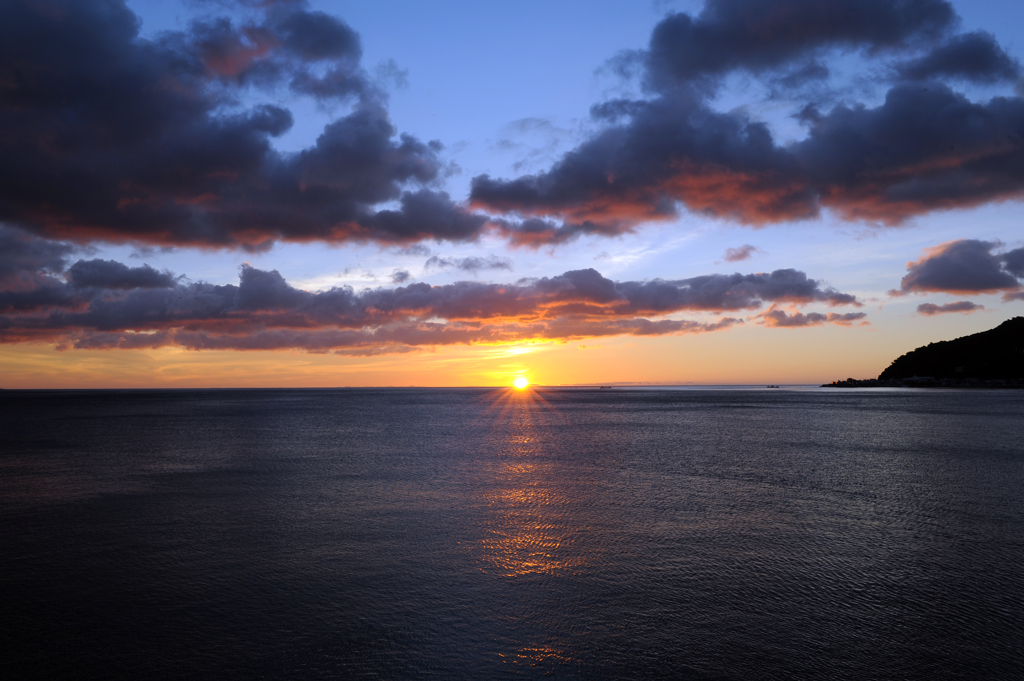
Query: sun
point(521, 382)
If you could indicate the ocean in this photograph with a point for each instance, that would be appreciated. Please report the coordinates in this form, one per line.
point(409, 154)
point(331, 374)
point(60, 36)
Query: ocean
point(718, 533)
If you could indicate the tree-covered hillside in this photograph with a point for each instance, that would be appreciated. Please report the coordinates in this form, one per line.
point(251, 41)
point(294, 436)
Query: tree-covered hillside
point(994, 354)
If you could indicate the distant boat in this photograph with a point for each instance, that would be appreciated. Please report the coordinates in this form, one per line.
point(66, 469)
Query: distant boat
point(771, 386)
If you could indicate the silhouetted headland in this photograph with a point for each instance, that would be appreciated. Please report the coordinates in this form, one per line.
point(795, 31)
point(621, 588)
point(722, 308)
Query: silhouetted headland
point(989, 359)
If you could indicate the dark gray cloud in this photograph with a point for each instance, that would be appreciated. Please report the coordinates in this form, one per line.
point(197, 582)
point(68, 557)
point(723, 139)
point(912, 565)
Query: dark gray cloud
point(22, 256)
point(471, 264)
point(963, 266)
point(312, 52)
point(114, 275)
point(400, 276)
point(1013, 261)
point(762, 35)
point(102, 303)
point(673, 149)
point(732, 291)
point(315, 36)
point(536, 232)
point(963, 306)
point(108, 135)
point(971, 56)
point(34, 274)
point(30, 271)
point(924, 148)
point(425, 214)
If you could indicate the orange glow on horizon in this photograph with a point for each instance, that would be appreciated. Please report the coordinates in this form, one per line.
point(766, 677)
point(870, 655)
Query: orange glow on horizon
point(749, 354)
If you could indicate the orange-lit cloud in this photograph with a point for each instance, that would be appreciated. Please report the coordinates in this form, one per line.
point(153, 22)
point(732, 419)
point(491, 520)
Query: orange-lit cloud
point(150, 156)
point(923, 149)
point(97, 303)
point(780, 319)
point(964, 266)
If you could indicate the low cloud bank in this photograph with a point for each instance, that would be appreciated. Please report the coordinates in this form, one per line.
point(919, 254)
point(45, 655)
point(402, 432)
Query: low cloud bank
point(105, 304)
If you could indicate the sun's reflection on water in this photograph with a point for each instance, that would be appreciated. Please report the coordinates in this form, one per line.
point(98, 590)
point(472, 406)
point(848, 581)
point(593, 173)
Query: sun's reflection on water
point(529, 530)
point(537, 655)
point(530, 524)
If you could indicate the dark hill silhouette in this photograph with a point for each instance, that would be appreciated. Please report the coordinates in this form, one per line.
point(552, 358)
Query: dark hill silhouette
point(996, 353)
point(986, 359)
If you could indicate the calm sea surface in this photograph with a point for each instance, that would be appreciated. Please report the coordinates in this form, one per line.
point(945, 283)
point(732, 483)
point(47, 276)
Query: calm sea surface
point(694, 534)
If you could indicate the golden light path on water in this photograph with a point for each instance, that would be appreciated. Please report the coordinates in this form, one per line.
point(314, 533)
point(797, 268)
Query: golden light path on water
point(530, 532)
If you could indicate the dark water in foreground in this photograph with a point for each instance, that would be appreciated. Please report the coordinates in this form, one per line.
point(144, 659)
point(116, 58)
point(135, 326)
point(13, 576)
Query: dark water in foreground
point(701, 534)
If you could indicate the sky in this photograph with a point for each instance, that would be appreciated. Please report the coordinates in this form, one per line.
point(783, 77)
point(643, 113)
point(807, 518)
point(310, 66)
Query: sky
point(202, 193)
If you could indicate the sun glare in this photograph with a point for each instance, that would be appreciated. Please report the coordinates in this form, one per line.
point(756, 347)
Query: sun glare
point(521, 382)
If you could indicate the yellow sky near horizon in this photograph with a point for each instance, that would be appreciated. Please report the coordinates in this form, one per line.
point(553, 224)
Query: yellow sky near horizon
point(749, 354)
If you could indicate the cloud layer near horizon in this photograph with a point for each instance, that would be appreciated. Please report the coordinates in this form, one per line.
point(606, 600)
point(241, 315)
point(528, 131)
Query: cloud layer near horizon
point(106, 304)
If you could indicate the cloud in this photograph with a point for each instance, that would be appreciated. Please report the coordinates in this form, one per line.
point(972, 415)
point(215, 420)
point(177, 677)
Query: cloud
point(924, 148)
point(779, 319)
point(22, 256)
point(111, 136)
point(744, 252)
point(400, 276)
point(121, 138)
point(963, 266)
point(471, 264)
point(1013, 261)
point(964, 306)
point(970, 56)
point(732, 291)
point(763, 35)
point(413, 249)
point(104, 304)
point(114, 275)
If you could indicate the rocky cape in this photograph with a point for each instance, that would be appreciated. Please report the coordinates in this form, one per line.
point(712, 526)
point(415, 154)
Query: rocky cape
point(990, 359)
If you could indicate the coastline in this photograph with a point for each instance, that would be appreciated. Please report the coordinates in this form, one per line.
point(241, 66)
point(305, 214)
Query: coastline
point(927, 382)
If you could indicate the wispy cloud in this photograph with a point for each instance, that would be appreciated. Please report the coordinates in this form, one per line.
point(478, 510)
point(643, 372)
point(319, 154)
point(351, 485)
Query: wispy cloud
point(740, 253)
point(471, 264)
